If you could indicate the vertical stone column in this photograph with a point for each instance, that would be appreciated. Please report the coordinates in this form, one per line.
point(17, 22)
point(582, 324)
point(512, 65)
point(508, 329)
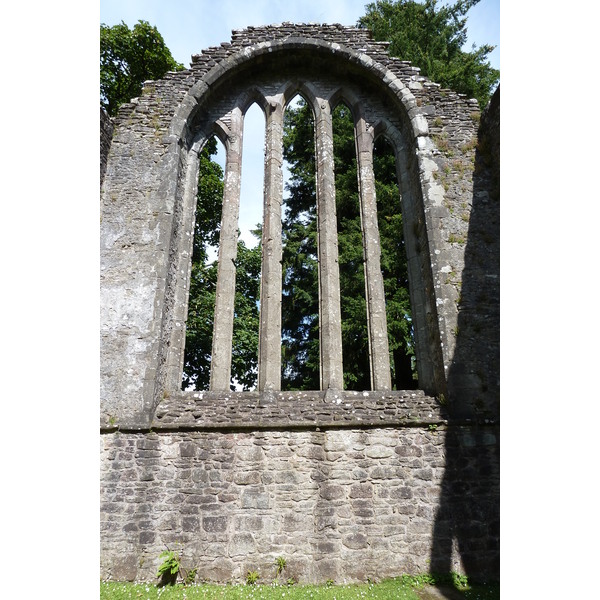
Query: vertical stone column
point(374, 293)
point(330, 318)
point(183, 239)
point(220, 368)
point(269, 345)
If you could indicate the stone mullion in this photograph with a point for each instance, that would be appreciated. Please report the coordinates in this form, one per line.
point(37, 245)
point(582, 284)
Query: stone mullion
point(330, 319)
point(176, 358)
point(375, 295)
point(220, 368)
point(269, 353)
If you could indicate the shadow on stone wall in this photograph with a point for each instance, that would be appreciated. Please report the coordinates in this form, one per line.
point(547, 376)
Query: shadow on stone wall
point(106, 132)
point(468, 519)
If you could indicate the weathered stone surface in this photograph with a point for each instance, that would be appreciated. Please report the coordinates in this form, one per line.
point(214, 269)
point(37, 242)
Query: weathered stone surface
point(297, 409)
point(214, 524)
point(306, 521)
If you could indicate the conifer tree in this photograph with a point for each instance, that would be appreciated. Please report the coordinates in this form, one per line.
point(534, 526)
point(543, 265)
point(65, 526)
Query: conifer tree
point(431, 36)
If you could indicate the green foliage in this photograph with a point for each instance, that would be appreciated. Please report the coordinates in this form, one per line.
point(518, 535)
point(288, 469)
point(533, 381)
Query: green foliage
point(300, 292)
point(357, 375)
point(203, 281)
point(244, 360)
point(190, 576)
point(169, 569)
point(252, 577)
point(128, 57)
point(431, 37)
point(281, 564)
point(394, 267)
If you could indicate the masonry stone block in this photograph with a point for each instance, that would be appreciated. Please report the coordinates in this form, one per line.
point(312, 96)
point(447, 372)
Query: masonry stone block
point(253, 499)
point(242, 544)
point(214, 524)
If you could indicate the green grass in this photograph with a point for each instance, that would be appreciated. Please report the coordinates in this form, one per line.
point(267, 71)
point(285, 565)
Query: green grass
point(402, 588)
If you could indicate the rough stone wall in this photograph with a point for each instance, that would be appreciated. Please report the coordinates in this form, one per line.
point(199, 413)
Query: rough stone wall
point(474, 375)
point(342, 504)
point(345, 486)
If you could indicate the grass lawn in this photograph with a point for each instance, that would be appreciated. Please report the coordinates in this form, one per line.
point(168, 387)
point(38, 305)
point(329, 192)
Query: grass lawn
point(402, 588)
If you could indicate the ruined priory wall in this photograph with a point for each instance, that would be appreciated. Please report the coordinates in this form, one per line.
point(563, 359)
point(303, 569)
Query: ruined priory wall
point(343, 486)
point(334, 504)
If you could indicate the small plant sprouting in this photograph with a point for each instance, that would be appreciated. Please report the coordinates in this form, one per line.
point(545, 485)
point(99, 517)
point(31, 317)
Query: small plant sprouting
point(281, 564)
point(455, 239)
point(470, 145)
point(169, 569)
point(191, 576)
point(252, 577)
point(442, 142)
point(329, 582)
point(433, 427)
point(460, 581)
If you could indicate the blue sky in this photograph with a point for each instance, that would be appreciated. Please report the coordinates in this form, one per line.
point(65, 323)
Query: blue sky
point(188, 26)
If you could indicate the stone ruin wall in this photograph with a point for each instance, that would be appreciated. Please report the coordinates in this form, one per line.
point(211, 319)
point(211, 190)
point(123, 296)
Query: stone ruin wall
point(345, 486)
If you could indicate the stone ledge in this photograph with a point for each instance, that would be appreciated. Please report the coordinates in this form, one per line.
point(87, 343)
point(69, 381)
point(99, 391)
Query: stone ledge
point(294, 410)
point(286, 411)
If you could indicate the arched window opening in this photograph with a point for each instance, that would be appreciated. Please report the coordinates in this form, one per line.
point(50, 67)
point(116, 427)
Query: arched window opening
point(375, 345)
point(394, 268)
point(355, 338)
point(204, 267)
point(244, 356)
point(200, 322)
point(300, 279)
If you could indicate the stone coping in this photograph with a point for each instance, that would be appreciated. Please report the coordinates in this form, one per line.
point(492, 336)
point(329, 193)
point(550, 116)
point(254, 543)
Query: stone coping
point(291, 410)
